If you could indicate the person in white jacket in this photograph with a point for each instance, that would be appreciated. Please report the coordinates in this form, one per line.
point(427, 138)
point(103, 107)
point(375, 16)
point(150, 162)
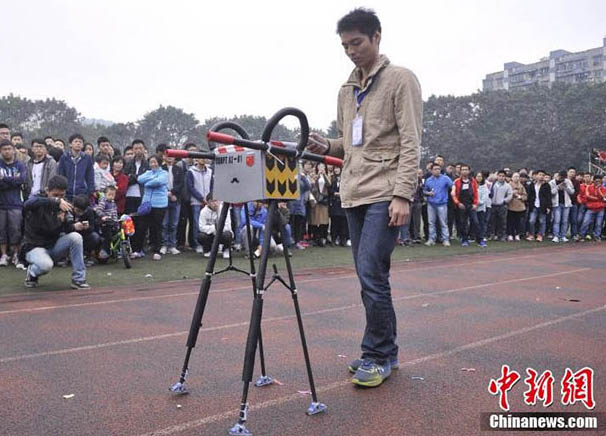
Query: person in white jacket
point(561, 190)
point(207, 226)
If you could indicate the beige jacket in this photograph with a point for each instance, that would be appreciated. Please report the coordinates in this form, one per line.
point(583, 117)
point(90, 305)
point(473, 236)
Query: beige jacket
point(386, 164)
point(518, 204)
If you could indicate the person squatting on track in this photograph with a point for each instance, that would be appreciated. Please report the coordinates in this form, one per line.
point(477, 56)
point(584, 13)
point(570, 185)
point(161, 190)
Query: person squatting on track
point(51, 234)
point(379, 120)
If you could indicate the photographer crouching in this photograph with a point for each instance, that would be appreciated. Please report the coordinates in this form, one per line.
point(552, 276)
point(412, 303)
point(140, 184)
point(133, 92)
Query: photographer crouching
point(51, 234)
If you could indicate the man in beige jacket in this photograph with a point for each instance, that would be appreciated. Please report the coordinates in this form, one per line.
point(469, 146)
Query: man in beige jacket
point(379, 119)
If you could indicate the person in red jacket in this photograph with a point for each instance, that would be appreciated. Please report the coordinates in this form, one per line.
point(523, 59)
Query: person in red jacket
point(121, 183)
point(595, 198)
point(465, 196)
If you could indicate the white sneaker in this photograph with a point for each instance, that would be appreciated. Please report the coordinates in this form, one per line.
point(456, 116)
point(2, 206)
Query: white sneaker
point(238, 247)
point(173, 250)
point(156, 256)
point(510, 238)
point(163, 250)
point(555, 239)
point(206, 254)
point(279, 248)
point(226, 254)
point(446, 243)
point(517, 238)
point(199, 249)
point(430, 243)
point(4, 260)
point(348, 243)
point(18, 263)
point(564, 239)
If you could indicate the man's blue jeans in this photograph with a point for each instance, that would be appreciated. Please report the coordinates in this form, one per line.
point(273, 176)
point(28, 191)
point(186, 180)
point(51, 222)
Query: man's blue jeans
point(560, 221)
point(536, 213)
point(590, 215)
point(41, 260)
point(572, 218)
point(372, 242)
point(170, 224)
point(438, 213)
point(195, 211)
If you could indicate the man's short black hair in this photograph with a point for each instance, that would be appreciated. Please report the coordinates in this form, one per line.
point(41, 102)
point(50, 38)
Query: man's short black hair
point(465, 165)
point(76, 136)
point(81, 201)
point(435, 164)
point(101, 139)
point(5, 142)
point(190, 145)
point(571, 168)
point(57, 182)
point(38, 141)
point(362, 20)
point(59, 140)
point(541, 171)
point(138, 141)
point(502, 172)
point(597, 177)
point(48, 137)
point(17, 135)
point(4, 126)
point(160, 148)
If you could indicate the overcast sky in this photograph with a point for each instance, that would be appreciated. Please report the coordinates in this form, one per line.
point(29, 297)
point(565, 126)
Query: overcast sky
point(118, 59)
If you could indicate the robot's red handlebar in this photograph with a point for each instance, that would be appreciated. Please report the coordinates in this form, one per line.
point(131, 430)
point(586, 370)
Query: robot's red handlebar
point(276, 147)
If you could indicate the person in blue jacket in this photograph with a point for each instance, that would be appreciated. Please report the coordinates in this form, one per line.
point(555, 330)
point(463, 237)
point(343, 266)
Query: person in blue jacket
point(155, 182)
point(12, 178)
point(437, 189)
point(78, 168)
point(257, 213)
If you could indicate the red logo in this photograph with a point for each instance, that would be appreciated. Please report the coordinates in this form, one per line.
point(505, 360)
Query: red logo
point(502, 385)
point(250, 160)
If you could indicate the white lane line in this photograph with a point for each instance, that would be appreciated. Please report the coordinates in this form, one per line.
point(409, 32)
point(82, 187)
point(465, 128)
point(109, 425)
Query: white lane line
point(342, 383)
point(241, 288)
point(271, 319)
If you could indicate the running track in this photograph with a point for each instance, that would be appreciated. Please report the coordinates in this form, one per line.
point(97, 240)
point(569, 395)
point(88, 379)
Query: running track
point(117, 350)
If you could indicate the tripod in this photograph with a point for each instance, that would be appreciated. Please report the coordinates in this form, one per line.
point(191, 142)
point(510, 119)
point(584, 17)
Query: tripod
point(196, 322)
point(254, 330)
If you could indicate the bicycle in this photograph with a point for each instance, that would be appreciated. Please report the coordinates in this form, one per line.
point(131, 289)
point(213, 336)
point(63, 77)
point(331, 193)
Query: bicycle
point(119, 246)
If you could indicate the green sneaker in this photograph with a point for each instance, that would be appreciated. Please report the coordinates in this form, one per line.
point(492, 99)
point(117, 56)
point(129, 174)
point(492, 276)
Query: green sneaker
point(371, 374)
point(354, 365)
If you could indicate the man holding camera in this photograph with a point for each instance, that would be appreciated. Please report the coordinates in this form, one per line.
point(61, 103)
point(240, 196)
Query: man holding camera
point(51, 234)
point(379, 120)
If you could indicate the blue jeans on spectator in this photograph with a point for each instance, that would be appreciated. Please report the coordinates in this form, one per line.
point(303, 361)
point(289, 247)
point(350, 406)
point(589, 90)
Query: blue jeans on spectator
point(195, 212)
point(572, 219)
point(439, 213)
point(235, 220)
point(560, 221)
point(534, 214)
point(372, 242)
point(580, 216)
point(404, 234)
point(590, 215)
point(41, 260)
point(481, 224)
point(170, 224)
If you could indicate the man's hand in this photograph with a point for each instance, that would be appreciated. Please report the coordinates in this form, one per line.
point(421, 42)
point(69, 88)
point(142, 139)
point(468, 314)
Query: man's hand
point(474, 207)
point(399, 209)
point(461, 206)
point(80, 226)
point(317, 144)
point(65, 206)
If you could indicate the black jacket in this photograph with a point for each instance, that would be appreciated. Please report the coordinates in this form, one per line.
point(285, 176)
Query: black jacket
point(178, 180)
point(544, 197)
point(334, 201)
point(130, 169)
point(42, 224)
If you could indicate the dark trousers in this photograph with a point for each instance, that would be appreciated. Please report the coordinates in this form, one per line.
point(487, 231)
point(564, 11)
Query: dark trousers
point(91, 242)
point(425, 221)
point(206, 240)
point(338, 229)
point(372, 243)
point(153, 222)
point(415, 220)
point(465, 218)
point(514, 223)
point(499, 214)
point(298, 223)
point(185, 217)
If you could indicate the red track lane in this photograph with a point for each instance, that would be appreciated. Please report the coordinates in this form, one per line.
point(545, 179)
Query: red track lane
point(118, 352)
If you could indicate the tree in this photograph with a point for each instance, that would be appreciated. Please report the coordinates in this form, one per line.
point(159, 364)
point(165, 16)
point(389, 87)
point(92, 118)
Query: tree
point(169, 125)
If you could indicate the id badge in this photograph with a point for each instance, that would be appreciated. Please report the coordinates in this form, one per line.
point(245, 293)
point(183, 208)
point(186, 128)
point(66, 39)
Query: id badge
point(357, 133)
